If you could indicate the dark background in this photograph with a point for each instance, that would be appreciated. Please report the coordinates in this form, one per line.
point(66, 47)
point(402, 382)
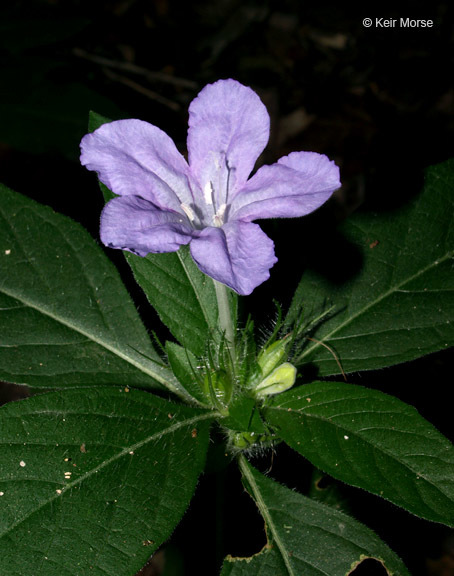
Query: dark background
point(379, 102)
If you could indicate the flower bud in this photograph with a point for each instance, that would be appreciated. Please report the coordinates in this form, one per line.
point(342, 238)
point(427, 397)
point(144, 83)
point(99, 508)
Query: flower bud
point(243, 440)
point(281, 378)
point(271, 357)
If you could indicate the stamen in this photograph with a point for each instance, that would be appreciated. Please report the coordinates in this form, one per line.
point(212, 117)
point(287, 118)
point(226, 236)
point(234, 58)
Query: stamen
point(188, 211)
point(208, 193)
point(221, 211)
point(218, 218)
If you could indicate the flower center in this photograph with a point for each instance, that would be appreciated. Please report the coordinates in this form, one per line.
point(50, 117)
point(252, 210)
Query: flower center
point(217, 213)
point(213, 210)
point(218, 218)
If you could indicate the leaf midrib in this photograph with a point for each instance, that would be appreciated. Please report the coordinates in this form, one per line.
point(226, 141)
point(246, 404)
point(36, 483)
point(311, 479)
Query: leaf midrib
point(342, 428)
point(124, 452)
point(168, 381)
point(92, 337)
point(264, 511)
point(375, 302)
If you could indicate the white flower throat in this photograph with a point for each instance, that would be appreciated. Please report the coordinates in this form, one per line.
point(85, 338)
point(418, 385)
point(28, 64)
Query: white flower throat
point(217, 217)
point(209, 195)
point(214, 211)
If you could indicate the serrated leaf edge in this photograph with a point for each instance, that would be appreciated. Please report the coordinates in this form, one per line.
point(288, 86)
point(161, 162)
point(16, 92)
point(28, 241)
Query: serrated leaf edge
point(397, 288)
point(124, 452)
point(356, 433)
point(156, 370)
point(264, 512)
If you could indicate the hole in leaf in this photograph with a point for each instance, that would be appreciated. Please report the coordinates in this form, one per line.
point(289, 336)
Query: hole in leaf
point(324, 483)
point(369, 567)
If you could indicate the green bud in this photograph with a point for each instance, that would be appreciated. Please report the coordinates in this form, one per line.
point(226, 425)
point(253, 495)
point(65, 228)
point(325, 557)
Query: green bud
point(243, 439)
point(271, 357)
point(282, 378)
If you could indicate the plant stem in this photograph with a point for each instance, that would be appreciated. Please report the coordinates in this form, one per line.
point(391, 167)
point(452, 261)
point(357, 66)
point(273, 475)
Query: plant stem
point(225, 315)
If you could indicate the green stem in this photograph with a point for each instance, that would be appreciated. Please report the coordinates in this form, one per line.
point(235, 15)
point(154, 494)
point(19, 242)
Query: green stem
point(225, 315)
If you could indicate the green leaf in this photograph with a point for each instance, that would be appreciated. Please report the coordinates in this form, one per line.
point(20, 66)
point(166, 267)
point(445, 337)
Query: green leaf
point(400, 305)
point(182, 295)
point(243, 416)
point(300, 531)
point(185, 367)
point(65, 317)
point(96, 120)
point(371, 440)
point(93, 481)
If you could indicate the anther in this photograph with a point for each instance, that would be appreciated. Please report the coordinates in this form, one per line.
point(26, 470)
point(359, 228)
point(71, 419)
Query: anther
point(187, 210)
point(208, 193)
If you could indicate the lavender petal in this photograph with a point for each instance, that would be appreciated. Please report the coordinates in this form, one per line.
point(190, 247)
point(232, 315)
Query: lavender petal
point(228, 130)
point(297, 185)
point(239, 255)
point(135, 158)
point(134, 224)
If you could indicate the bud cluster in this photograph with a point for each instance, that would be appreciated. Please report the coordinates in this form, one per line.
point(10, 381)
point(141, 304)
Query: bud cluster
point(270, 373)
point(277, 376)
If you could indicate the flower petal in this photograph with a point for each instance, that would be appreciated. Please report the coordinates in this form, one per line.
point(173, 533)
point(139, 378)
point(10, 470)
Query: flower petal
point(238, 254)
point(297, 185)
point(133, 157)
point(228, 130)
point(134, 224)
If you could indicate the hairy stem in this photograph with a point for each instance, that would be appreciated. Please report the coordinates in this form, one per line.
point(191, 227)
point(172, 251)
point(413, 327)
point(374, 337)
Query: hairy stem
point(225, 315)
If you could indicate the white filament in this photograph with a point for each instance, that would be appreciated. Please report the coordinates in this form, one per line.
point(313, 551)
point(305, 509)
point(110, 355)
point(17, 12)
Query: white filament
point(188, 211)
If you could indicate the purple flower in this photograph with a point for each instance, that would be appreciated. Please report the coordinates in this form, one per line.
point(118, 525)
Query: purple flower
point(208, 202)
